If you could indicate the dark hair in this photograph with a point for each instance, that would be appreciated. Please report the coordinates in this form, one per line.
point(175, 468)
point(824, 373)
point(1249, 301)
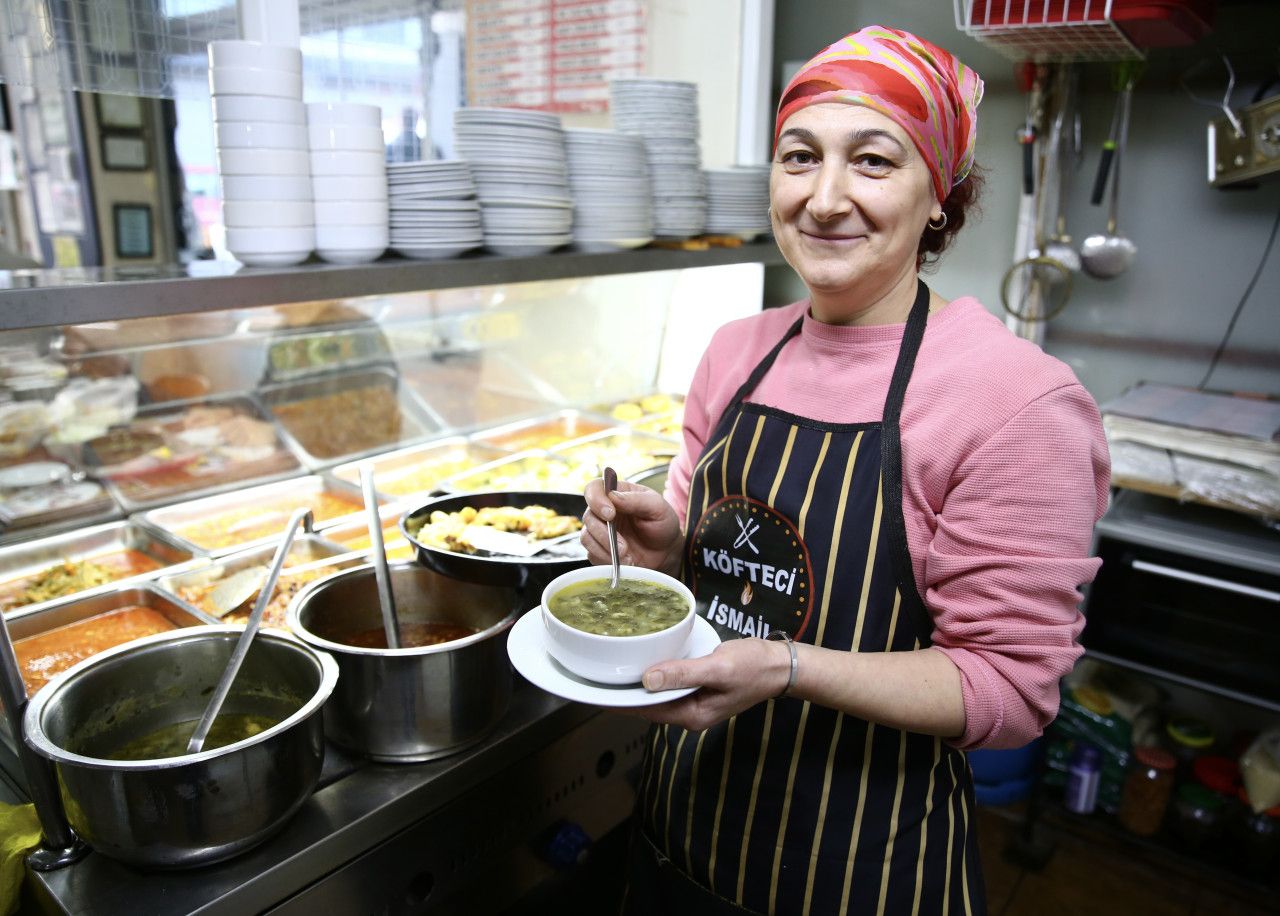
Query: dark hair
point(962, 199)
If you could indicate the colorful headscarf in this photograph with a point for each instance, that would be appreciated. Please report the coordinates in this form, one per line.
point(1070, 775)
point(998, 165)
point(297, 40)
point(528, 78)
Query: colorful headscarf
point(925, 90)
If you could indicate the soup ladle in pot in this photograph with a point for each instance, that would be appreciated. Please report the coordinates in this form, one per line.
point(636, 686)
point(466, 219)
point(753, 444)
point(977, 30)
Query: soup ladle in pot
point(611, 484)
point(378, 553)
point(196, 744)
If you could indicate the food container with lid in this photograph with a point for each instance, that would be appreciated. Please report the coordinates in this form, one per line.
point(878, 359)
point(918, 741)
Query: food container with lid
point(1147, 788)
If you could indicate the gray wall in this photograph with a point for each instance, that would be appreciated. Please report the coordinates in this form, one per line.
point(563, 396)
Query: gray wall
point(1197, 247)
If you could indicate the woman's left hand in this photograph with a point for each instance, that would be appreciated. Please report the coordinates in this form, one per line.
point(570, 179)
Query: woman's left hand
point(739, 674)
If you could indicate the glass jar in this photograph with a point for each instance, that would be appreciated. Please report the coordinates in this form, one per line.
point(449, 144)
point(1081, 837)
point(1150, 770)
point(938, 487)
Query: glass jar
point(1187, 739)
point(1257, 836)
point(1197, 816)
point(1146, 790)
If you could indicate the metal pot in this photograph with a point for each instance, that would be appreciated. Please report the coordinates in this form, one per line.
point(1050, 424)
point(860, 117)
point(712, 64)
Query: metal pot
point(194, 809)
point(408, 705)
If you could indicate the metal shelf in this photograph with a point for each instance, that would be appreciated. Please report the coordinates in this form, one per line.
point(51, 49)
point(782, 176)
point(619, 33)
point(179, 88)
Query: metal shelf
point(46, 298)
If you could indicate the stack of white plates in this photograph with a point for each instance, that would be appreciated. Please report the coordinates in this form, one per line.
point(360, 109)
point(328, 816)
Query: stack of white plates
point(260, 128)
point(518, 160)
point(434, 213)
point(609, 176)
point(349, 175)
point(665, 114)
point(738, 201)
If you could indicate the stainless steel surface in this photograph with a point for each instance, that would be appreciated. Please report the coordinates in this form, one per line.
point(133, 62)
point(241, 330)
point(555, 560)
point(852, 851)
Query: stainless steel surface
point(82, 607)
point(250, 406)
point(622, 448)
point(591, 423)
point(653, 478)
point(489, 847)
point(390, 467)
point(228, 676)
point(29, 558)
point(611, 484)
point(43, 298)
point(378, 554)
point(59, 846)
point(172, 519)
point(404, 705)
point(472, 479)
point(419, 421)
point(306, 549)
point(357, 808)
point(193, 809)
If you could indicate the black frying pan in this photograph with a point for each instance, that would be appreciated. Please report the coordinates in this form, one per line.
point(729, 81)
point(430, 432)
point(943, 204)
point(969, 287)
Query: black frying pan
point(495, 570)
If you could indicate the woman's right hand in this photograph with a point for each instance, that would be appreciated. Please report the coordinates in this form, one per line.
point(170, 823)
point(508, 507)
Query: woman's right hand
point(648, 530)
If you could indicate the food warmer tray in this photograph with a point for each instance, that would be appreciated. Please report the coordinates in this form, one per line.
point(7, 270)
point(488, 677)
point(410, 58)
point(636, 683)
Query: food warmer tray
point(305, 549)
point(392, 466)
point(635, 452)
point(304, 352)
point(422, 423)
point(32, 557)
point(458, 483)
point(523, 435)
point(75, 608)
point(35, 527)
point(288, 462)
point(172, 519)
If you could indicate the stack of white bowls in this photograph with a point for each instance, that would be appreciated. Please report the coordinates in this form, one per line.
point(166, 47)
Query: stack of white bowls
point(434, 211)
point(738, 201)
point(261, 134)
point(349, 180)
point(519, 163)
point(609, 177)
point(665, 114)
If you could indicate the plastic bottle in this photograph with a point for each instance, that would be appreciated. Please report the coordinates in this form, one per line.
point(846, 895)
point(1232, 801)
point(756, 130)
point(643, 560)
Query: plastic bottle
point(1084, 773)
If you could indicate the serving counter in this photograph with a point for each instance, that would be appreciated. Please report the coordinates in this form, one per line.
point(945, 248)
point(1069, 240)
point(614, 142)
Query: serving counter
point(499, 382)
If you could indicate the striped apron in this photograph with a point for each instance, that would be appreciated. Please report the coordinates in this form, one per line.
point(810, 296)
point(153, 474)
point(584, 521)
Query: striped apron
point(789, 807)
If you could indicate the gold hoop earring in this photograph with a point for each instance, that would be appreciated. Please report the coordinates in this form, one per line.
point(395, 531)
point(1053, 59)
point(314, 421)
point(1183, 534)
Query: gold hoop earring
point(942, 225)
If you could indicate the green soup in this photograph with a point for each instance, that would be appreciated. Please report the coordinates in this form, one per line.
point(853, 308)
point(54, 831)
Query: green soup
point(171, 741)
point(634, 608)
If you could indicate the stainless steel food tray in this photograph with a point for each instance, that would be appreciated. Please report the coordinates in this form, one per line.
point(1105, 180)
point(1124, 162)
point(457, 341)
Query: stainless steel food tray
point(577, 424)
point(251, 406)
point(306, 548)
point(390, 466)
point(458, 482)
point(75, 608)
point(31, 557)
point(658, 446)
point(422, 422)
point(171, 519)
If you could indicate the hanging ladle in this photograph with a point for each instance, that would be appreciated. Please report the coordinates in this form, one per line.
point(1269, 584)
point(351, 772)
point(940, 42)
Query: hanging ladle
point(378, 553)
point(1109, 254)
point(196, 744)
point(611, 484)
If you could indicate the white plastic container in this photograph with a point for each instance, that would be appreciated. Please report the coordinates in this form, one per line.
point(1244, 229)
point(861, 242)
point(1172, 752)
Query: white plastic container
point(355, 114)
point(239, 53)
point(283, 84)
point(267, 213)
point(348, 162)
point(266, 187)
point(259, 135)
point(344, 137)
point(348, 187)
point(264, 162)
point(351, 213)
point(259, 108)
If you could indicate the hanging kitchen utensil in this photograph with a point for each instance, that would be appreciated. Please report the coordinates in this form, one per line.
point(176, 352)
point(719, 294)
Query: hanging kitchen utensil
point(1061, 167)
point(1108, 254)
point(1036, 288)
point(1027, 76)
point(378, 554)
point(1124, 77)
point(228, 678)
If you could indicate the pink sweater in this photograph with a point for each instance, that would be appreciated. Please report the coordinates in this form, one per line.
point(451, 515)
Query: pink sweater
point(1004, 472)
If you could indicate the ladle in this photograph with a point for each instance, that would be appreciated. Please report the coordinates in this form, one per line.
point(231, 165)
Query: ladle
point(1109, 254)
point(382, 576)
point(196, 744)
point(611, 484)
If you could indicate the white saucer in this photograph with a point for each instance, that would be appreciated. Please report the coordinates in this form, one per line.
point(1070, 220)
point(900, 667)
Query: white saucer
point(527, 647)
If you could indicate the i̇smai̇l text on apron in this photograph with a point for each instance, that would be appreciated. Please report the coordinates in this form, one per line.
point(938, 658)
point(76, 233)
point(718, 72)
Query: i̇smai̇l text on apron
point(789, 807)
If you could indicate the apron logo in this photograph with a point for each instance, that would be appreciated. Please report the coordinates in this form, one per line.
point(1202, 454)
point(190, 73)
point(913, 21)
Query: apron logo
point(744, 554)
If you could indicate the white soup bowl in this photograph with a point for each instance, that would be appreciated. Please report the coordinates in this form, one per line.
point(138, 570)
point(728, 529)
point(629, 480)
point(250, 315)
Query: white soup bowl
point(614, 659)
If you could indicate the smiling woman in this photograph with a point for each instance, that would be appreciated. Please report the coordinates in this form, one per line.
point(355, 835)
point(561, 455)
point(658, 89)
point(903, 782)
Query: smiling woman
point(895, 484)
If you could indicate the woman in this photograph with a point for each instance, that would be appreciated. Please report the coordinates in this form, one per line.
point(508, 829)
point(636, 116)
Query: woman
point(884, 503)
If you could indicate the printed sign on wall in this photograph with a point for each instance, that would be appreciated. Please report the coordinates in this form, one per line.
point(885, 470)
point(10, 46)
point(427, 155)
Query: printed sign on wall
point(551, 55)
